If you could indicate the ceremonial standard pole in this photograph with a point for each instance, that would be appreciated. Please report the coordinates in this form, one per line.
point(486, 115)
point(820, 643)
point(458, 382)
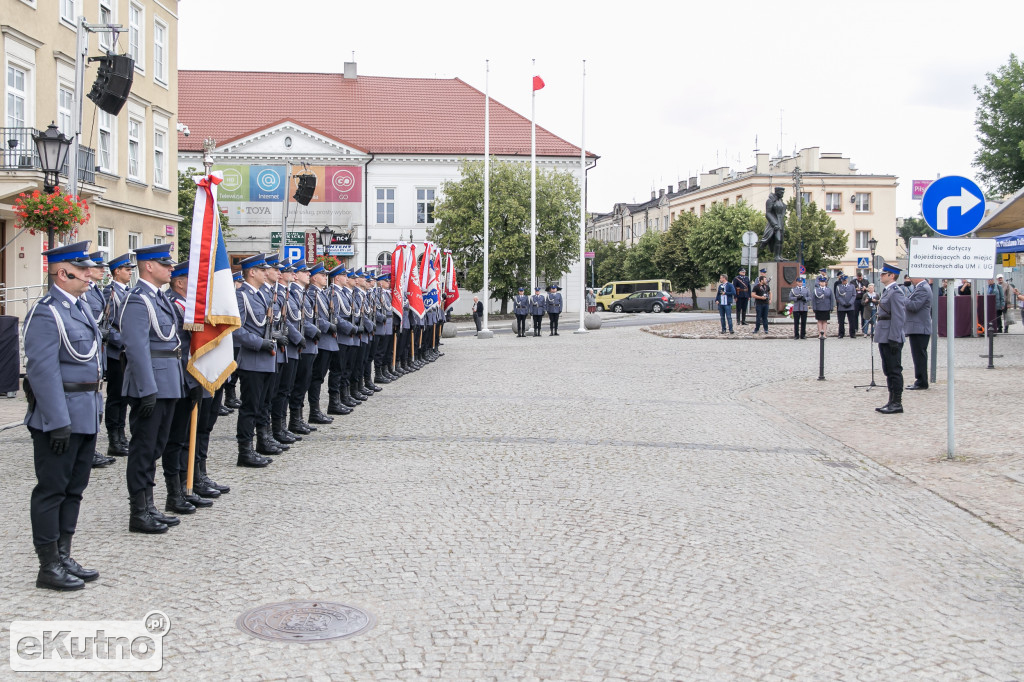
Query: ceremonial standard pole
point(486, 333)
point(533, 183)
point(583, 201)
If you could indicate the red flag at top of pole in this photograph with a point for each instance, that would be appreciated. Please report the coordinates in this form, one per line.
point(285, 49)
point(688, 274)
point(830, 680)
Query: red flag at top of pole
point(398, 278)
point(538, 83)
point(415, 289)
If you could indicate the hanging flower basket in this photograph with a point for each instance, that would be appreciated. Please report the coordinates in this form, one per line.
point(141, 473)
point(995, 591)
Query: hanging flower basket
point(61, 212)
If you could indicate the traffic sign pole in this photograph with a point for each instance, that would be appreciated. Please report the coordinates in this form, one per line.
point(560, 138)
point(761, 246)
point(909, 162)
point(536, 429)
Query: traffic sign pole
point(950, 371)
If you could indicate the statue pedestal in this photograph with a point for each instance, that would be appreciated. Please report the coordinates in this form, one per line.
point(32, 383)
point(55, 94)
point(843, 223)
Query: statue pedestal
point(783, 276)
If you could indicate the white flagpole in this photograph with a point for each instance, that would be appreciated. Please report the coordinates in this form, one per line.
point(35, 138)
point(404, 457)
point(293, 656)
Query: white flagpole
point(583, 202)
point(486, 333)
point(533, 180)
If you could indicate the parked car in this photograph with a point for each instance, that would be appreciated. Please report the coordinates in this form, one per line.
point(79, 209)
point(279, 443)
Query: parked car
point(616, 291)
point(645, 301)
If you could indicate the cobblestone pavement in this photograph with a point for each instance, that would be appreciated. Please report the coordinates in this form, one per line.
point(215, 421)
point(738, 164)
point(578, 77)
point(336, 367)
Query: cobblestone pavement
point(613, 505)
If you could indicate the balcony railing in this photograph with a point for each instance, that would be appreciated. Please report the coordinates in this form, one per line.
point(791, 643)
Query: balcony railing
point(19, 153)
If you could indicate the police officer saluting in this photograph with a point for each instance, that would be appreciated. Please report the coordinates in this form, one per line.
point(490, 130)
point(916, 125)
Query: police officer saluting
point(521, 307)
point(63, 368)
point(153, 381)
point(889, 334)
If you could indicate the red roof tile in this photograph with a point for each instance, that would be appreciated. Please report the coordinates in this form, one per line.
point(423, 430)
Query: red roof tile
point(378, 114)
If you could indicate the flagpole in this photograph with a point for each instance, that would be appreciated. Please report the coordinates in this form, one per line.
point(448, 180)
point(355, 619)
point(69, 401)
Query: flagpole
point(583, 202)
point(486, 333)
point(533, 180)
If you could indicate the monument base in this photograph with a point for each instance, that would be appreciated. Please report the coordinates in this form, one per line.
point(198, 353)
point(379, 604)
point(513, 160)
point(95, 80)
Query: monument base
point(782, 277)
point(485, 334)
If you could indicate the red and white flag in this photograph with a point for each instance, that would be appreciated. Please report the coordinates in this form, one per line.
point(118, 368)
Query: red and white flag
point(211, 309)
point(415, 288)
point(538, 83)
point(451, 288)
point(399, 279)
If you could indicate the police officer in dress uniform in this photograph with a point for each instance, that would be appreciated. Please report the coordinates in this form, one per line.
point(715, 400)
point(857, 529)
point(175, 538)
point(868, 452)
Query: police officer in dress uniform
point(521, 308)
point(175, 456)
point(370, 318)
point(63, 371)
point(327, 341)
point(382, 359)
point(537, 307)
point(846, 306)
point(117, 406)
point(97, 301)
point(340, 299)
point(800, 295)
point(231, 400)
point(289, 322)
point(741, 283)
point(273, 294)
point(300, 293)
point(257, 362)
point(382, 317)
point(554, 307)
point(153, 381)
point(889, 335)
point(919, 330)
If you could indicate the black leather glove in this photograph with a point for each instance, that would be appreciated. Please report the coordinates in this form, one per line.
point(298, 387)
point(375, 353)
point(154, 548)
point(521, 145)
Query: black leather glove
point(146, 405)
point(332, 328)
point(281, 337)
point(195, 394)
point(105, 337)
point(59, 439)
point(316, 337)
point(267, 345)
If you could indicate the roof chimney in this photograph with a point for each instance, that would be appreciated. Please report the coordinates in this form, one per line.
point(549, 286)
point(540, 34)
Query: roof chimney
point(654, 194)
point(670, 189)
point(661, 193)
point(350, 70)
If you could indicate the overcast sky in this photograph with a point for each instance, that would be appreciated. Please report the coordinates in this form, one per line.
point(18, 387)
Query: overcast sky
point(672, 88)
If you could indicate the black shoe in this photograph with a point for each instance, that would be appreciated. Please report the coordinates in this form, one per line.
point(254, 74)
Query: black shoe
point(193, 497)
point(70, 565)
point(355, 393)
point(99, 461)
point(223, 410)
point(230, 400)
point(894, 408)
point(917, 387)
point(176, 501)
point(247, 457)
point(380, 378)
point(167, 520)
point(141, 520)
point(53, 575)
point(201, 487)
point(883, 407)
point(281, 434)
point(346, 397)
point(210, 483)
point(269, 438)
point(335, 406)
point(318, 417)
point(114, 446)
point(295, 425)
point(373, 387)
point(265, 447)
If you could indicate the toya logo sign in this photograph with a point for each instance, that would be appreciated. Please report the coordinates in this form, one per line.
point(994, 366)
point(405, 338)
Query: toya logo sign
point(89, 645)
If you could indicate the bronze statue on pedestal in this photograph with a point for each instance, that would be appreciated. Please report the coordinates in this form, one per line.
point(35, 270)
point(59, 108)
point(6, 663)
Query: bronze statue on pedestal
point(775, 212)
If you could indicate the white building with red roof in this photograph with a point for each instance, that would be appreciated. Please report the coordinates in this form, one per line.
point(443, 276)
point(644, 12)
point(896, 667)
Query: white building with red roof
point(380, 148)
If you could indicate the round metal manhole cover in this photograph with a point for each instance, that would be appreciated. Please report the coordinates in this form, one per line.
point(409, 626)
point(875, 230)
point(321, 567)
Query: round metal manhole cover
point(305, 621)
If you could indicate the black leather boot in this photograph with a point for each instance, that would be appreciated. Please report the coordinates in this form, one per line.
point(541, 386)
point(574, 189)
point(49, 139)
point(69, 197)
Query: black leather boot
point(280, 434)
point(346, 396)
point(210, 483)
point(247, 457)
point(335, 406)
point(263, 446)
point(201, 485)
point(379, 377)
point(296, 425)
point(230, 400)
point(223, 410)
point(114, 446)
point(53, 575)
point(70, 565)
point(176, 501)
point(269, 437)
point(368, 384)
point(141, 521)
point(166, 519)
point(318, 417)
point(193, 498)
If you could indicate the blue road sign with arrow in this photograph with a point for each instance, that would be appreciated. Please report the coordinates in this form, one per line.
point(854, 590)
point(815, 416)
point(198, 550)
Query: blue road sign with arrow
point(953, 206)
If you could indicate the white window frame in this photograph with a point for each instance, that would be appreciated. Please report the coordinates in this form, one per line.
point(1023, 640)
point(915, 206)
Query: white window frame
point(137, 36)
point(106, 123)
point(383, 258)
point(111, 7)
point(863, 202)
point(807, 198)
point(159, 156)
point(158, 240)
point(24, 94)
point(65, 104)
point(135, 144)
point(383, 202)
point(68, 11)
point(103, 236)
point(423, 217)
point(160, 52)
point(857, 240)
point(134, 239)
point(837, 205)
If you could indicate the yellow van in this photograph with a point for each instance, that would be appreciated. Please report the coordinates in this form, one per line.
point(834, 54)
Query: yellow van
point(613, 291)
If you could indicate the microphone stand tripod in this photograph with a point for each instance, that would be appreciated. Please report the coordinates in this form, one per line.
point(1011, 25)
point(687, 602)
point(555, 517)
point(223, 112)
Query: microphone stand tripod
point(871, 349)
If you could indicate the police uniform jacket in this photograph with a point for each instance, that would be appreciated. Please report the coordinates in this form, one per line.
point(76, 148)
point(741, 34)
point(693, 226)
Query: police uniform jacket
point(343, 311)
point(919, 310)
point(276, 298)
point(406, 313)
point(799, 295)
point(890, 324)
point(94, 298)
point(118, 292)
point(846, 297)
point(554, 302)
point(537, 304)
point(389, 323)
point(358, 301)
point(54, 357)
point(305, 322)
point(521, 304)
point(178, 305)
point(152, 348)
point(256, 314)
point(369, 315)
point(380, 311)
point(821, 299)
point(291, 308)
point(322, 307)
point(741, 283)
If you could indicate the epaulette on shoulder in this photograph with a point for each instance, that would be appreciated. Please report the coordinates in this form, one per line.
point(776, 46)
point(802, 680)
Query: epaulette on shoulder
point(46, 300)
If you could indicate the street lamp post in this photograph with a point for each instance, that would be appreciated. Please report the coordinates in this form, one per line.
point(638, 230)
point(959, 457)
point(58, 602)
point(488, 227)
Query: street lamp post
point(326, 235)
point(52, 147)
point(873, 244)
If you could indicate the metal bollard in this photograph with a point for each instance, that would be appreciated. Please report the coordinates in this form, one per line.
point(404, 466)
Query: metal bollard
point(821, 359)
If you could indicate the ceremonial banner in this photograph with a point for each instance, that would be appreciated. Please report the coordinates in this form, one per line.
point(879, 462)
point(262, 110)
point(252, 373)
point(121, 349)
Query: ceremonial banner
point(451, 287)
point(415, 288)
point(428, 276)
point(399, 278)
point(211, 309)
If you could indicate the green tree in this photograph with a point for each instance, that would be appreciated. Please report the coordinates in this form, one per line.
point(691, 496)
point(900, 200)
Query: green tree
point(1000, 122)
point(815, 235)
point(913, 227)
point(675, 260)
point(715, 242)
point(609, 258)
point(460, 225)
point(186, 203)
point(639, 261)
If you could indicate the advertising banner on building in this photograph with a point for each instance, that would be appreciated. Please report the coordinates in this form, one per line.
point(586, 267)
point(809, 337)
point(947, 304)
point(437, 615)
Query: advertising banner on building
point(255, 195)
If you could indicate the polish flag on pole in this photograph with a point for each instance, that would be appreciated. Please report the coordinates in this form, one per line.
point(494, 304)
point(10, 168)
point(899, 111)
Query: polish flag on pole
point(451, 288)
point(415, 288)
point(211, 309)
point(399, 278)
point(538, 83)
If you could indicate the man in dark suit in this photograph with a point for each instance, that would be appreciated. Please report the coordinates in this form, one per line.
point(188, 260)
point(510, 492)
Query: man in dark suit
point(478, 312)
point(63, 369)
